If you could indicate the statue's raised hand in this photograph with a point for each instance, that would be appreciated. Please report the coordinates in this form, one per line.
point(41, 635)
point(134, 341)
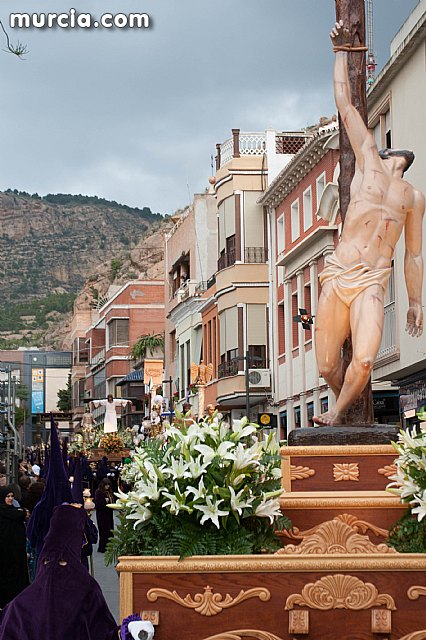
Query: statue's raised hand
point(414, 324)
point(340, 35)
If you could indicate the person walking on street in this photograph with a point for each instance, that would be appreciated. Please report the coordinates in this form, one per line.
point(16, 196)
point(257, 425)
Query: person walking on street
point(104, 515)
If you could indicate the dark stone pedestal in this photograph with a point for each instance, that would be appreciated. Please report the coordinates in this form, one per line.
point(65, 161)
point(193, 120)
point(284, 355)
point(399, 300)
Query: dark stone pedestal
point(344, 435)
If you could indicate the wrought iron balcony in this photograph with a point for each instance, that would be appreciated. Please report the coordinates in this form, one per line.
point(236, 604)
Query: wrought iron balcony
point(255, 255)
point(226, 260)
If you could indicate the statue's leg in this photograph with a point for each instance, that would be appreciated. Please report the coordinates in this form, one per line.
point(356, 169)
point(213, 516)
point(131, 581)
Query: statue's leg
point(331, 330)
point(366, 318)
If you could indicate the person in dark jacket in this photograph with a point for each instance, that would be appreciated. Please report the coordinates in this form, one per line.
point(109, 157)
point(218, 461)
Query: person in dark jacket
point(104, 515)
point(64, 602)
point(13, 555)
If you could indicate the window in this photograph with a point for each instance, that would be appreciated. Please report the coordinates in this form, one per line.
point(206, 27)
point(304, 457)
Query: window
point(295, 222)
point(257, 356)
point(118, 332)
point(280, 235)
point(172, 345)
point(80, 351)
point(381, 126)
point(281, 329)
point(297, 417)
point(320, 187)
point(283, 425)
point(308, 332)
point(295, 327)
point(307, 209)
point(324, 405)
point(390, 292)
point(310, 413)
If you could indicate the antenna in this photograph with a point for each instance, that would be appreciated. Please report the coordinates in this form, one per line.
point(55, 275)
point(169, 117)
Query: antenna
point(371, 59)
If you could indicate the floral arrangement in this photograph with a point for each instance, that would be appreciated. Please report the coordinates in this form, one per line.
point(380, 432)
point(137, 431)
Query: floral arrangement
point(204, 489)
point(111, 442)
point(409, 482)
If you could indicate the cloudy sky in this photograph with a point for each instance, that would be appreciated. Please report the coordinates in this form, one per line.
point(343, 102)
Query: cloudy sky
point(134, 115)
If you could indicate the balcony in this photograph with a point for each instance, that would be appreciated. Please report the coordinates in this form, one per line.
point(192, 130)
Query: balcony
point(189, 289)
point(388, 350)
point(98, 358)
point(232, 366)
point(241, 144)
point(255, 255)
point(226, 260)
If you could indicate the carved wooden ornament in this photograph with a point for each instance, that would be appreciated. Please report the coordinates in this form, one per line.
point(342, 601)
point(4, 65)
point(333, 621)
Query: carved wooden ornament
point(388, 470)
point(244, 633)
point(340, 592)
point(381, 621)
point(346, 471)
point(300, 473)
point(357, 525)
point(335, 537)
point(416, 635)
point(209, 603)
point(298, 622)
point(415, 592)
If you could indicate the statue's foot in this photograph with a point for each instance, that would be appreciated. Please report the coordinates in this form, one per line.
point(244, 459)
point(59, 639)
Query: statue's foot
point(328, 419)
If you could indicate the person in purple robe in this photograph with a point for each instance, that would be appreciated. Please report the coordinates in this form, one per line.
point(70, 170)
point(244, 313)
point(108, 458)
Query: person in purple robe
point(104, 515)
point(13, 555)
point(64, 602)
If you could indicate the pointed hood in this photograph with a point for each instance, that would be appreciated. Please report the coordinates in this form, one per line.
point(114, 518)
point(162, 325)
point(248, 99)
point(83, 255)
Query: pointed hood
point(57, 490)
point(77, 485)
point(64, 538)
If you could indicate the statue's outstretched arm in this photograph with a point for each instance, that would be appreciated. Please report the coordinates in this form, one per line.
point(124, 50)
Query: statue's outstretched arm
point(413, 265)
point(362, 141)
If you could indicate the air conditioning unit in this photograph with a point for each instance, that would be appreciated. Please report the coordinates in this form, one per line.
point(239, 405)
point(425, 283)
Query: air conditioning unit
point(259, 378)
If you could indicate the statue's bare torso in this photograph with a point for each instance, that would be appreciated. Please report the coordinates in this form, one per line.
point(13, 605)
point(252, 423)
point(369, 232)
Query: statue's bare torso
point(375, 217)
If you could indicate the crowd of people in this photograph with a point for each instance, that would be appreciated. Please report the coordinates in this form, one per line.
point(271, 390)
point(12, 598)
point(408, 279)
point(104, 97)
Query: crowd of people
point(46, 538)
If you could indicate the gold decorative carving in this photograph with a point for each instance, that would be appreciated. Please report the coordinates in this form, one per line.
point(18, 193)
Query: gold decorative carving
point(151, 616)
point(343, 471)
point(244, 633)
point(298, 621)
point(388, 470)
point(338, 450)
point(416, 635)
point(381, 621)
point(359, 526)
point(415, 592)
point(270, 563)
point(335, 537)
point(341, 500)
point(340, 592)
point(209, 603)
point(300, 473)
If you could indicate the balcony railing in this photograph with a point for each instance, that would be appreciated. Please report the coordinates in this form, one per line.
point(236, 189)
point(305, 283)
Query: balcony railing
point(241, 144)
point(189, 288)
point(255, 255)
point(226, 260)
point(233, 366)
point(389, 344)
point(98, 358)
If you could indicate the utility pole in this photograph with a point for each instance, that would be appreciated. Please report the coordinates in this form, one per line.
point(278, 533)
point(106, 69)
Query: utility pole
point(352, 13)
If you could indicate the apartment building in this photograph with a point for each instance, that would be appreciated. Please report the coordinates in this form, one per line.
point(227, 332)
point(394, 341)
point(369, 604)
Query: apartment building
point(82, 319)
point(190, 263)
point(236, 315)
point(300, 239)
point(134, 310)
point(396, 114)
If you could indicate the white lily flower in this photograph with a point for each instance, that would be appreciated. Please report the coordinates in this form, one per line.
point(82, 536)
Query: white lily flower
point(420, 510)
point(197, 468)
point(276, 473)
point(149, 490)
point(198, 493)
point(209, 453)
point(268, 509)
point(211, 511)
point(238, 503)
point(245, 458)
point(238, 479)
point(241, 428)
point(140, 514)
point(178, 469)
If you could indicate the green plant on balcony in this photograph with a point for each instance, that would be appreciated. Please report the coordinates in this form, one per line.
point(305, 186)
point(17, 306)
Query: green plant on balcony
point(148, 342)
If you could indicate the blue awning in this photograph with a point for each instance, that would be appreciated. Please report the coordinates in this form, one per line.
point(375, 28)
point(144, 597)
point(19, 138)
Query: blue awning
point(133, 376)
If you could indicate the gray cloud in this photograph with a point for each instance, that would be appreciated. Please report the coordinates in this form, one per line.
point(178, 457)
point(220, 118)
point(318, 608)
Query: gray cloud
point(134, 115)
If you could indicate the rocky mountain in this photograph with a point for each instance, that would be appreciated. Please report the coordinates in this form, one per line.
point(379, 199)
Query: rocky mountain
point(52, 247)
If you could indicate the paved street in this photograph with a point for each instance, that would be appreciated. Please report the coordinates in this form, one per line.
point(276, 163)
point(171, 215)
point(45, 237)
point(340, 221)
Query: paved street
point(108, 579)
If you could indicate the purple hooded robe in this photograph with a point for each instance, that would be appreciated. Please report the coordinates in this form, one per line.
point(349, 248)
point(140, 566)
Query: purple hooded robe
point(64, 602)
